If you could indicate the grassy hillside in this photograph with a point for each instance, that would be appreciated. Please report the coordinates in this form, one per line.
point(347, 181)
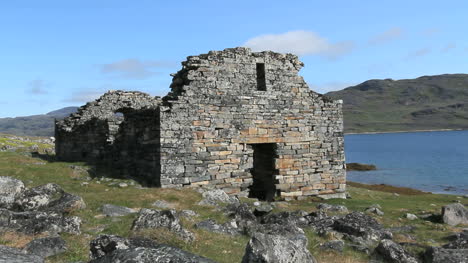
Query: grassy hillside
point(35, 125)
point(425, 103)
point(98, 191)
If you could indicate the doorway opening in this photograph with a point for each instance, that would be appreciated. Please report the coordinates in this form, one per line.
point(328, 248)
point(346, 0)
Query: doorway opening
point(263, 171)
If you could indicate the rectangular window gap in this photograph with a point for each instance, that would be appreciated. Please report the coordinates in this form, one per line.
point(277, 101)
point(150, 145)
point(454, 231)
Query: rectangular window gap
point(261, 82)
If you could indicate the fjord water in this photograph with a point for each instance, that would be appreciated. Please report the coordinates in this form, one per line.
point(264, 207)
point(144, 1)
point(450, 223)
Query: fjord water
point(430, 161)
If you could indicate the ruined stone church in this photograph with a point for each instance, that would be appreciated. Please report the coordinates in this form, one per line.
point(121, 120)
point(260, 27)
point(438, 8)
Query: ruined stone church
point(236, 120)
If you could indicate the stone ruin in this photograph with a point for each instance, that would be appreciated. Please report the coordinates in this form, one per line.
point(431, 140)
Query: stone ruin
point(241, 121)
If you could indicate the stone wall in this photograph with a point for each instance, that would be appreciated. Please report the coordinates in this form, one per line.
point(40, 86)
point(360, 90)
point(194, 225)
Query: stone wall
point(223, 112)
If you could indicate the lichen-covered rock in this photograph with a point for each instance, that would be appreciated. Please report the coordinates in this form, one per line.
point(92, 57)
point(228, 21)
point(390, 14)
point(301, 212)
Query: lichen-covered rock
point(296, 218)
point(443, 255)
point(265, 248)
point(229, 228)
point(48, 197)
point(393, 252)
point(46, 246)
point(35, 222)
point(110, 249)
point(115, 210)
point(332, 208)
point(361, 225)
point(454, 214)
point(336, 245)
point(14, 255)
point(215, 197)
point(10, 188)
point(458, 241)
point(149, 218)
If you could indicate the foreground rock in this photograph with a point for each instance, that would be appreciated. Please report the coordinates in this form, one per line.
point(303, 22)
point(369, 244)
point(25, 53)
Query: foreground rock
point(393, 252)
point(443, 255)
point(36, 222)
point(46, 246)
point(361, 225)
point(458, 241)
point(169, 219)
point(454, 214)
point(110, 249)
point(267, 248)
point(10, 188)
point(14, 255)
point(228, 228)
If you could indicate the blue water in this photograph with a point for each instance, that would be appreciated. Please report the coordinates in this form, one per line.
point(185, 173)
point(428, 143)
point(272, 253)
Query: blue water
point(430, 161)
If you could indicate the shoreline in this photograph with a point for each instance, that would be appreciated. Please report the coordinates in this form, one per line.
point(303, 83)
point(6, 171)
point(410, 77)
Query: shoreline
point(381, 132)
point(397, 189)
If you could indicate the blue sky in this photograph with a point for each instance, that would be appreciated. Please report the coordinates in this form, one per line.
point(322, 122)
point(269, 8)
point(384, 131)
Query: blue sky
point(55, 54)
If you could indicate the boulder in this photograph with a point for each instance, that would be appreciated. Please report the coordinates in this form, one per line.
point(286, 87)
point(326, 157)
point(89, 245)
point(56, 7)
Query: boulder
point(454, 214)
point(48, 197)
point(115, 210)
point(361, 225)
point(229, 228)
point(268, 248)
point(35, 222)
point(443, 255)
point(393, 252)
point(410, 216)
point(332, 208)
point(10, 188)
point(46, 246)
point(296, 218)
point(374, 210)
point(336, 245)
point(458, 241)
point(149, 218)
point(14, 255)
point(214, 197)
point(110, 248)
point(262, 209)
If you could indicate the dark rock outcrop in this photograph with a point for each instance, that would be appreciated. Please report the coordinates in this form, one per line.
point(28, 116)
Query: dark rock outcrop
point(361, 225)
point(14, 255)
point(393, 252)
point(336, 245)
point(229, 228)
point(46, 246)
point(443, 255)
point(454, 214)
point(110, 249)
point(458, 241)
point(268, 248)
point(169, 219)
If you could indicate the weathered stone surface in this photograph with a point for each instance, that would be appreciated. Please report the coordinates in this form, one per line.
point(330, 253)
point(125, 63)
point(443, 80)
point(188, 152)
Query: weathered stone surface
point(267, 248)
point(10, 188)
point(206, 131)
point(442, 255)
point(361, 225)
point(48, 197)
point(336, 245)
point(458, 241)
point(115, 210)
point(332, 208)
point(110, 249)
point(149, 218)
point(410, 216)
point(46, 246)
point(374, 210)
point(229, 228)
point(14, 255)
point(454, 214)
point(215, 197)
point(35, 222)
point(393, 252)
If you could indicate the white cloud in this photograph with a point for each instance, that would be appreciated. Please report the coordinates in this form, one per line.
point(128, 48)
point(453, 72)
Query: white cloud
point(301, 43)
point(134, 68)
point(85, 95)
point(387, 36)
point(331, 86)
point(38, 87)
point(418, 53)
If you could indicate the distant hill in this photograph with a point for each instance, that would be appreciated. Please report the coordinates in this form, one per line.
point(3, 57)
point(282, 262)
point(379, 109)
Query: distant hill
point(35, 125)
point(424, 103)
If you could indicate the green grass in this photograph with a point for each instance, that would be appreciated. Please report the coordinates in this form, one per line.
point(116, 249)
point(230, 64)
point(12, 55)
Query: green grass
point(34, 171)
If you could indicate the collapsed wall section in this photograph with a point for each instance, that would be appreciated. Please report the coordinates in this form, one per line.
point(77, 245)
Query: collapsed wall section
point(221, 105)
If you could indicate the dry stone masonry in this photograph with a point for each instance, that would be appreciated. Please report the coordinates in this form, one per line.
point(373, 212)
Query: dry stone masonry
point(236, 120)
